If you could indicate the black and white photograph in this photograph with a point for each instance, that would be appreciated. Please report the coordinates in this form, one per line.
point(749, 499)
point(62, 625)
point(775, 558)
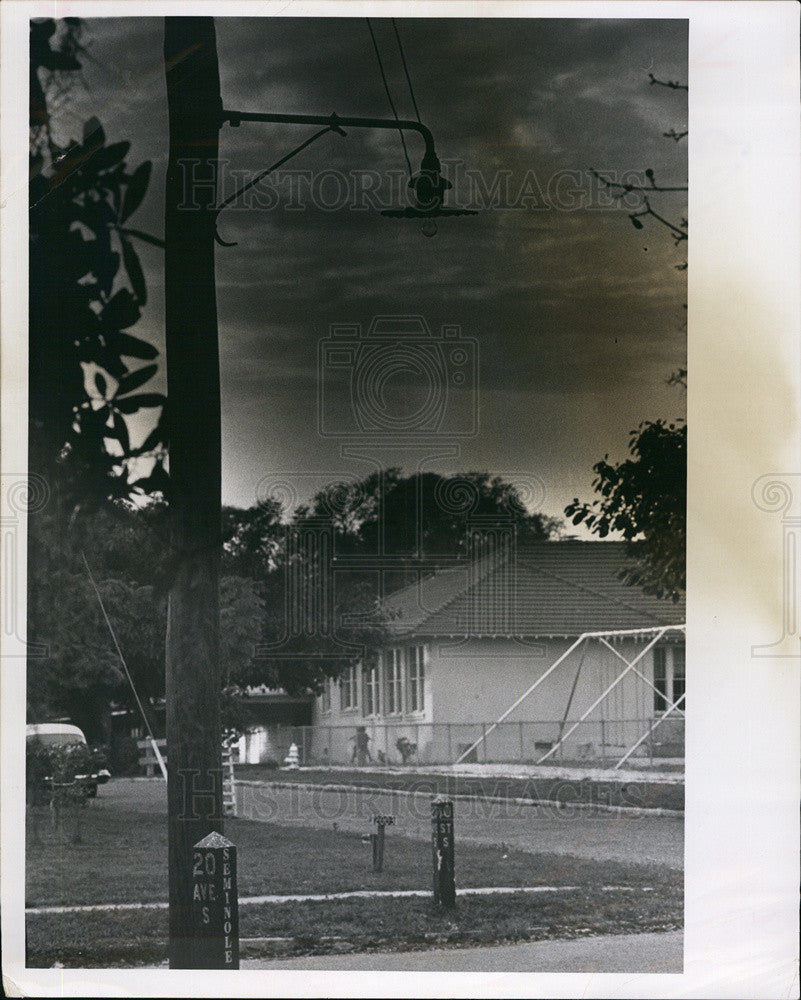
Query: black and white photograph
point(358, 593)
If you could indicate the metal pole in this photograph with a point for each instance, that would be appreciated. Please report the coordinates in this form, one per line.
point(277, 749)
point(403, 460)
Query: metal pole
point(601, 697)
point(642, 676)
point(645, 735)
point(333, 121)
point(525, 695)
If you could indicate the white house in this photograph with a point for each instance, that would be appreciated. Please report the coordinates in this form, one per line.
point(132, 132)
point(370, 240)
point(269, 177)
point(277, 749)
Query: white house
point(469, 641)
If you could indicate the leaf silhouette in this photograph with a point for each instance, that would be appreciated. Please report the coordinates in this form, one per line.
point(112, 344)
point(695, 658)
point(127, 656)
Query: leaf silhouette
point(132, 347)
point(101, 384)
point(135, 190)
point(136, 379)
point(134, 269)
point(93, 133)
point(153, 440)
point(109, 156)
point(121, 433)
point(120, 311)
point(133, 403)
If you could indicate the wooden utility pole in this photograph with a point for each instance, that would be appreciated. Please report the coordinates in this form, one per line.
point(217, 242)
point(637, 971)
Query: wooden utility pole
point(193, 378)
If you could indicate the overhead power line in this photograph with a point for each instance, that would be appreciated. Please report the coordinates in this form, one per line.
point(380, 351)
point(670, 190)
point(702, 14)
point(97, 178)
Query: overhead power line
point(389, 95)
point(405, 67)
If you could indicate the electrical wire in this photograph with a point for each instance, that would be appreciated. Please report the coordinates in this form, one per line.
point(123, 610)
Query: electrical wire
point(274, 166)
point(405, 67)
point(389, 95)
point(156, 750)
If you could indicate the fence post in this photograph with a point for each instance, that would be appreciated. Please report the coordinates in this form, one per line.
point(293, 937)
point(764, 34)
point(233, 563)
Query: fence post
point(483, 741)
point(603, 740)
point(450, 751)
point(377, 841)
point(520, 724)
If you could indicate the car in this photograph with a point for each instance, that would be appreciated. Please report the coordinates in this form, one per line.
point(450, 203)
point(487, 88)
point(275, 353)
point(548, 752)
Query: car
point(90, 769)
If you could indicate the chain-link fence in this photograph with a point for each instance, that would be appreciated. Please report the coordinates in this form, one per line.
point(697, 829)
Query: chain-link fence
point(597, 741)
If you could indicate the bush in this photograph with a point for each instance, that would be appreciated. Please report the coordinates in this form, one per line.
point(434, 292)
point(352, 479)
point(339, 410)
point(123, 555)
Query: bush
point(46, 766)
point(125, 757)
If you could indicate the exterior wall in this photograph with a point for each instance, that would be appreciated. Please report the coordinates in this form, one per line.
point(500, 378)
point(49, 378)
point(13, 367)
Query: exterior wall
point(475, 682)
point(468, 685)
point(335, 725)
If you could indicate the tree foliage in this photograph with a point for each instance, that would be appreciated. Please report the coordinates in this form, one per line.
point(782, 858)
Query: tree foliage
point(645, 499)
point(80, 673)
point(651, 199)
point(87, 372)
point(423, 515)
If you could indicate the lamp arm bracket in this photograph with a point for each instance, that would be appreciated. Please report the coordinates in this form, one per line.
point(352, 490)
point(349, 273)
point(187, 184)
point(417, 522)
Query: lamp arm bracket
point(334, 122)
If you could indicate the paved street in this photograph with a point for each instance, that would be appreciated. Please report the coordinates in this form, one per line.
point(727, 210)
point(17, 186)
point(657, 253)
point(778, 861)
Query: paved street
point(581, 833)
point(633, 953)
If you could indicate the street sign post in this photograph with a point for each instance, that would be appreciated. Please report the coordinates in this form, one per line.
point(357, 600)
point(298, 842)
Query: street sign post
point(443, 853)
point(215, 904)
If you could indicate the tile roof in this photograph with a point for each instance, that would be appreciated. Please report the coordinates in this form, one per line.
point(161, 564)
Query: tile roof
point(547, 588)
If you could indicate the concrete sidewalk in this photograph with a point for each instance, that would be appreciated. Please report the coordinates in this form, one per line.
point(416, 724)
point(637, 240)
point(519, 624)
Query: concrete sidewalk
point(626, 953)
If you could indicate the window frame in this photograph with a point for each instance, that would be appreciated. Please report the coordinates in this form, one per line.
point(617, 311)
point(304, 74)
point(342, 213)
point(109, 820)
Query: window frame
point(371, 691)
point(326, 701)
point(415, 680)
point(351, 703)
point(670, 678)
point(393, 681)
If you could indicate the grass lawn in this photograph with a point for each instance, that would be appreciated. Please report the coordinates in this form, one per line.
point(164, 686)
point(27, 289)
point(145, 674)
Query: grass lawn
point(121, 857)
point(139, 938)
point(641, 794)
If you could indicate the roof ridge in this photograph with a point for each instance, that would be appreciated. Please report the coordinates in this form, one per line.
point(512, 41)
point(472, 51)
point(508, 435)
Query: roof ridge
point(604, 597)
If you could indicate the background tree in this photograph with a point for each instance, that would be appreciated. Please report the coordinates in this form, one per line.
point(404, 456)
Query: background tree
point(644, 498)
point(81, 676)
point(415, 522)
point(424, 515)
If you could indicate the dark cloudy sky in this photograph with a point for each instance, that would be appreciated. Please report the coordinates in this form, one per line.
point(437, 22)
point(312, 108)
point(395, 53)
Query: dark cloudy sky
point(577, 317)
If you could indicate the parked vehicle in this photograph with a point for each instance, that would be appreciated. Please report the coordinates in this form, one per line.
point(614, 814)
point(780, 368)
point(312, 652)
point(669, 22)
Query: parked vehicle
point(59, 753)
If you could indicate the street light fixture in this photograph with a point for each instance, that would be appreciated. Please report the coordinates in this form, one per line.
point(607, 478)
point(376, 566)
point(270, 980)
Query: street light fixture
point(429, 186)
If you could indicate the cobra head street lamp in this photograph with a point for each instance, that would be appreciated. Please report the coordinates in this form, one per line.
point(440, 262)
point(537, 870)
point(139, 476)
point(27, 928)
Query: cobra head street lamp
point(428, 186)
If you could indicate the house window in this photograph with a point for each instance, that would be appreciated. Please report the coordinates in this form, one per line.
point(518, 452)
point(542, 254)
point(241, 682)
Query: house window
point(348, 689)
point(393, 686)
point(669, 677)
point(660, 679)
point(325, 697)
point(414, 680)
point(370, 689)
point(678, 675)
